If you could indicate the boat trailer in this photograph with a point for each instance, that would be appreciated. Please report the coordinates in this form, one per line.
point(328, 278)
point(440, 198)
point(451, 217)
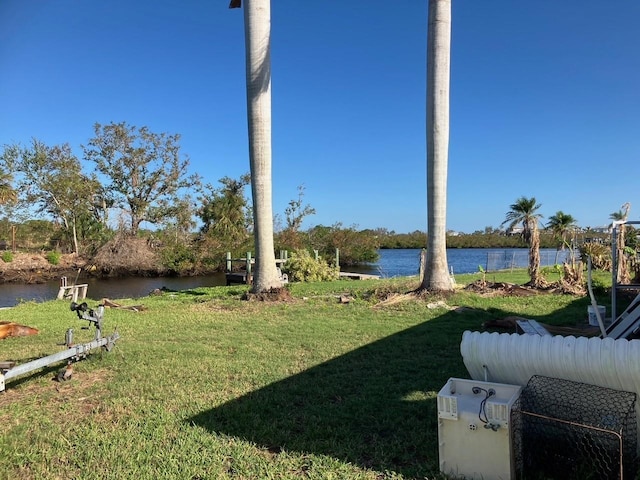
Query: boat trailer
point(73, 353)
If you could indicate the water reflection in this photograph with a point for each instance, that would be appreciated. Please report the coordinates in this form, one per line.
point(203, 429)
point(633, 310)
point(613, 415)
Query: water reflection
point(132, 287)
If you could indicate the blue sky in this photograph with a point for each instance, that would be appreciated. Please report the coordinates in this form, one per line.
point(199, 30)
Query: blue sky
point(545, 98)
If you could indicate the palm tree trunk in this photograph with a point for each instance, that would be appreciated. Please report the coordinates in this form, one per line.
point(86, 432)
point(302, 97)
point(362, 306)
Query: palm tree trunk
point(436, 274)
point(257, 21)
point(622, 273)
point(536, 280)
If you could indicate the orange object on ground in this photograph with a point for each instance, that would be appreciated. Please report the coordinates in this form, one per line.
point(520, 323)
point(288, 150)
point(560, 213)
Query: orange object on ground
point(12, 329)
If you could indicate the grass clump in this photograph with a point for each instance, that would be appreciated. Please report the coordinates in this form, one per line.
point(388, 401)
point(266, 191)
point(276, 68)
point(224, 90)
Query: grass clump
point(203, 384)
point(53, 257)
point(7, 256)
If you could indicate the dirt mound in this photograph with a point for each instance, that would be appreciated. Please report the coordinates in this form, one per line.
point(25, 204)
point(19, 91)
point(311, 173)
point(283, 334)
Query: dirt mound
point(509, 289)
point(273, 295)
point(500, 288)
point(126, 255)
point(35, 268)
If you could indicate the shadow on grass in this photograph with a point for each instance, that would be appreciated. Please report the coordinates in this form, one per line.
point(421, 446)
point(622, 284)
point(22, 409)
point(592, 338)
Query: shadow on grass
point(374, 407)
point(368, 407)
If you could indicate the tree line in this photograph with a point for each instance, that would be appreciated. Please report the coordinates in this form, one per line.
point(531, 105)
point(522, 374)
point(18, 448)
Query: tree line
point(525, 213)
point(134, 183)
point(139, 186)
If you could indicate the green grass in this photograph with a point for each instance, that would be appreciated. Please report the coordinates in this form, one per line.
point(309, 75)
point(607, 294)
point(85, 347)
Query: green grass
point(205, 385)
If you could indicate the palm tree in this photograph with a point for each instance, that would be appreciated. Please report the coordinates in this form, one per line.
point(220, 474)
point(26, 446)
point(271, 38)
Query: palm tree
point(619, 218)
point(257, 32)
point(436, 273)
point(562, 224)
point(524, 212)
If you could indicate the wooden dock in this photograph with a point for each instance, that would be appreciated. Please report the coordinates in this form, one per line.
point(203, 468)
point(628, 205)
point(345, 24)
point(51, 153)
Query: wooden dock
point(358, 276)
point(241, 277)
point(237, 277)
point(74, 292)
point(245, 276)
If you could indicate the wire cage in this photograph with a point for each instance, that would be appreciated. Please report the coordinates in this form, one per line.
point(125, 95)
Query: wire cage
point(570, 430)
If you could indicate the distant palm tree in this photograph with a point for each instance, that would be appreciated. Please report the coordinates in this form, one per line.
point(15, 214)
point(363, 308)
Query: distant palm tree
point(257, 28)
point(562, 225)
point(524, 212)
point(436, 272)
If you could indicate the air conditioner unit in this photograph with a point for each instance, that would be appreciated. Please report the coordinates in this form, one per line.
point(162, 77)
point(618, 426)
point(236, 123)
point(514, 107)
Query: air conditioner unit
point(474, 429)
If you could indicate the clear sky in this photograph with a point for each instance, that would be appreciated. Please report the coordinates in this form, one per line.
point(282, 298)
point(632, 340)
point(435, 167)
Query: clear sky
point(545, 98)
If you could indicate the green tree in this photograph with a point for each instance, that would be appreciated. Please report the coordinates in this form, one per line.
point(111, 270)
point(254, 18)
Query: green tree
point(436, 270)
point(176, 243)
point(290, 237)
point(145, 171)
point(179, 226)
point(7, 193)
point(354, 246)
point(225, 213)
point(524, 212)
point(296, 212)
point(51, 179)
point(257, 28)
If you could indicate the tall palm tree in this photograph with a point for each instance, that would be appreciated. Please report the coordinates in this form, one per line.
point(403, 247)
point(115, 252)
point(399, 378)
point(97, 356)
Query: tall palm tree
point(619, 218)
point(436, 273)
point(257, 33)
point(524, 212)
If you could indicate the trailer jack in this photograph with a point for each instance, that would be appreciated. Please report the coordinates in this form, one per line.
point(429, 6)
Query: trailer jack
point(73, 353)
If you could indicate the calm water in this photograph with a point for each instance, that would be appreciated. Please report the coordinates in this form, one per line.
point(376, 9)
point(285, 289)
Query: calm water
point(12, 294)
point(406, 262)
point(392, 263)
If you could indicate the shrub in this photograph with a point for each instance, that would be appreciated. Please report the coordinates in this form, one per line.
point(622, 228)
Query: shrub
point(53, 258)
point(600, 255)
point(551, 270)
point(302, 267)
point(178, 258)
point(7, 257)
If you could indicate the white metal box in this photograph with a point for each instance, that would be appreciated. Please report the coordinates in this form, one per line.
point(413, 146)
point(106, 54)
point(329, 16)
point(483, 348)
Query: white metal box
point(474, 429)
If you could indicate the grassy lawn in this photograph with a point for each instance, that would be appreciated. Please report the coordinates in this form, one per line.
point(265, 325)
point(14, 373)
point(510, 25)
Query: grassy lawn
point(205, 385)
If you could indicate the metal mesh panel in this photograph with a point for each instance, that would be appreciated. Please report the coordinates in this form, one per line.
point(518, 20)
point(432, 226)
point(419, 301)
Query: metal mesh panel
point(570, 430)
point(509, 259)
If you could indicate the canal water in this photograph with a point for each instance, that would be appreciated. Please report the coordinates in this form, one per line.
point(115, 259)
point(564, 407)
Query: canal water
point(392, 263)
point(406, 262)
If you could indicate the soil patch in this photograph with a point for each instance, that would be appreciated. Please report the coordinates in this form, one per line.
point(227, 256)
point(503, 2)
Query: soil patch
point(35, 268)
point(501, 288)
point(272, 295)
point(490, 289)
